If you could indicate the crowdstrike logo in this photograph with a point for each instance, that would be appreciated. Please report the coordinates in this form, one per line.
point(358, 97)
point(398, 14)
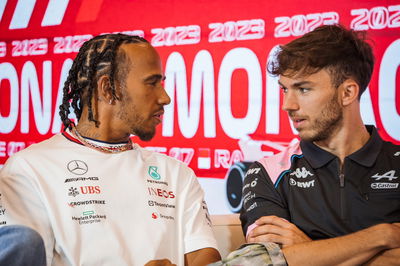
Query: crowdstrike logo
point(153, 173)
point(77, 167)
point(389, 175)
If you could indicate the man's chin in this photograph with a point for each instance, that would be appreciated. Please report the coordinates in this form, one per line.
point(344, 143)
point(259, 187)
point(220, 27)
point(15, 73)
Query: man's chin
point(307, 136)
point(145, 136)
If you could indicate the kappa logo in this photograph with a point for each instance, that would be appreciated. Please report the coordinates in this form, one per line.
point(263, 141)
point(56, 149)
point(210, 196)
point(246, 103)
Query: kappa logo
point(153, 173)
point(303, 173)
point(77, 167)
point(389, 175)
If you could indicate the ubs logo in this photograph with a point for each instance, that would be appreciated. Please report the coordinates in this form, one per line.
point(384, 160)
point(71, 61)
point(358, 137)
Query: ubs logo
point(77, 167)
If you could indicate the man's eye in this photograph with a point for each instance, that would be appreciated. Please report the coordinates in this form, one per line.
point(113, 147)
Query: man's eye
point(284, 90)
point(303, 90)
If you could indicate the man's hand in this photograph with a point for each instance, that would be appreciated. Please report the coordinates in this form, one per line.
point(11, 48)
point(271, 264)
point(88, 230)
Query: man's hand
point(164, 262)
point(277, 230)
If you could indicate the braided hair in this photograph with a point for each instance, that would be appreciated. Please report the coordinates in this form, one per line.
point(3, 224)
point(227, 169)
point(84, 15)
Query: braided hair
point(96, 57)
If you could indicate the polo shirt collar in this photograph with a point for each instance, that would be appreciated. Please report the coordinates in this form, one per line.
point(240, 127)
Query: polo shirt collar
point(366, 156)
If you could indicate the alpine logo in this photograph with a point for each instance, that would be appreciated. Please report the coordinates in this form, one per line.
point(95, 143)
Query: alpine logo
point(389, 175)
point(303, 173)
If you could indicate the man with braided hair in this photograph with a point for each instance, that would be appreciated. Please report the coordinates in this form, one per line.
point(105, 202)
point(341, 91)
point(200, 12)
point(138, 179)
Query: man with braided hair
point(334, 197)
point(95, 197)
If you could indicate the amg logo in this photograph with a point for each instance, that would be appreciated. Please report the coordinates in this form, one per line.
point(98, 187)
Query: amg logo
point(384, 185)
point(92, 178)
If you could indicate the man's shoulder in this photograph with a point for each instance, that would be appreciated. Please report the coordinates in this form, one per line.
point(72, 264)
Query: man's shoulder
point(391, 150)
point(280, 162)
point(284, 157)
point(40, 147)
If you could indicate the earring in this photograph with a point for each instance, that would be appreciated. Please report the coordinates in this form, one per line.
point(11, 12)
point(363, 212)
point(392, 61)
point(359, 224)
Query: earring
point(111, 101)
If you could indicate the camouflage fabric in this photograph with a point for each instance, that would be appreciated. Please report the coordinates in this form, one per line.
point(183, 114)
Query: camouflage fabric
point(257, 254)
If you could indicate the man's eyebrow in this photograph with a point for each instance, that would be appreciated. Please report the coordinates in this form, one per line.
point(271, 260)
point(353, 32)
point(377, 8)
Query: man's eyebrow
point(297, 84)
point(154, 77)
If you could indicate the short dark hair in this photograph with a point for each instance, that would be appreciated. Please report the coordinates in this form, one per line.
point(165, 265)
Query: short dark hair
point(97, 56)
point(343, 53)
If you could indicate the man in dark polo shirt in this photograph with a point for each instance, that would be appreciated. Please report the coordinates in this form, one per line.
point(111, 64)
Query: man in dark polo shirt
point(334, 197)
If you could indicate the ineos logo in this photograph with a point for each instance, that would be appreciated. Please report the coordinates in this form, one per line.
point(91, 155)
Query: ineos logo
point(77, 167)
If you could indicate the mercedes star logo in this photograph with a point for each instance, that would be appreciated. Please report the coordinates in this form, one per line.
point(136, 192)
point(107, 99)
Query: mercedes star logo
point(77, 167)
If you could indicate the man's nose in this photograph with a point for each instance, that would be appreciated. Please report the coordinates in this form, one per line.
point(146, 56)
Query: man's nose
point(290, 102)
point(164, 99)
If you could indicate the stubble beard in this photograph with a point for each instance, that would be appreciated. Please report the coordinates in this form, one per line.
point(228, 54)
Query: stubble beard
point(137, 124)
point(330, 119)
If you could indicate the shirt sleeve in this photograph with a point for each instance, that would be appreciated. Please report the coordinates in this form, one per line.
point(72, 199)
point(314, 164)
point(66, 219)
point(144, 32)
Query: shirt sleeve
point(20, 197)
point(197, 225)
point(260, 198)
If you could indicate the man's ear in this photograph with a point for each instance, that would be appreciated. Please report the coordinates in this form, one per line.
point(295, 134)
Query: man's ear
point(349, 91)
point(104, 89)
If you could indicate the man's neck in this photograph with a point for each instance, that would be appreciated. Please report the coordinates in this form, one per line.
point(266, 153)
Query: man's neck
point(345, 141)
point(89, 130)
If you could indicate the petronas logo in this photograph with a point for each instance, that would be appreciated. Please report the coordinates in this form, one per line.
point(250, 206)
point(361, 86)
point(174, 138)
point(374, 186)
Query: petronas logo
point(153, 173)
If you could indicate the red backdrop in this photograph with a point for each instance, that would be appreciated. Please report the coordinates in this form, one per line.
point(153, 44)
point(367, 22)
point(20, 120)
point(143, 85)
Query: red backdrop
point(214, 54)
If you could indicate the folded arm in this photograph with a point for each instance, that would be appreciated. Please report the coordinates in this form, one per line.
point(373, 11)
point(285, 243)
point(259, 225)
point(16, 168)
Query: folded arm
point(372, 245)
